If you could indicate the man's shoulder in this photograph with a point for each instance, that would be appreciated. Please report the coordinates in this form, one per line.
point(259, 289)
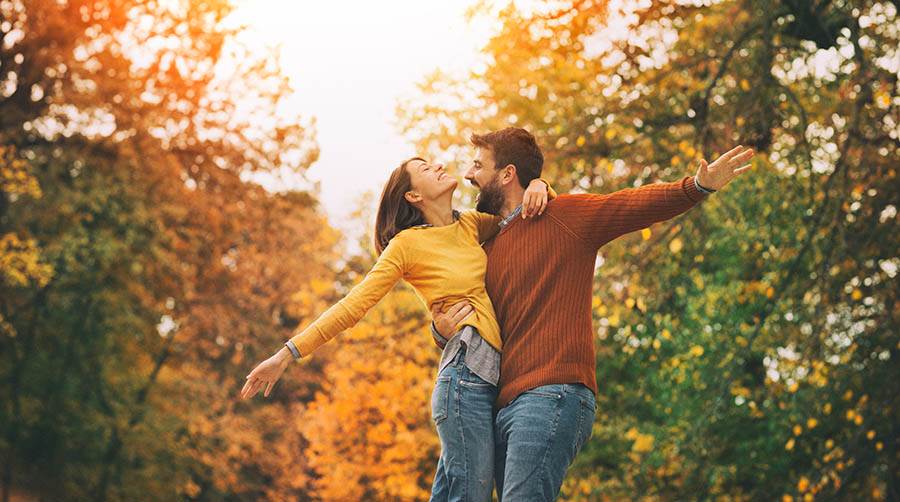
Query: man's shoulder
point(566, 203)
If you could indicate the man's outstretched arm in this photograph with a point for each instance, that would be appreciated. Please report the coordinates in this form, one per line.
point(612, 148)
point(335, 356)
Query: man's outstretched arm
point(599, 219)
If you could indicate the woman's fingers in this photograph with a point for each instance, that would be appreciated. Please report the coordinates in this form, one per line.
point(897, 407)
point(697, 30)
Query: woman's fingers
point(269, 386)
point(543, 205)
point(248, 389)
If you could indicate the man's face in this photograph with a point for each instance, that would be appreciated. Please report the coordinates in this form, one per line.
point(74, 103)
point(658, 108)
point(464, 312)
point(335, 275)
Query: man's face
point(484, 175)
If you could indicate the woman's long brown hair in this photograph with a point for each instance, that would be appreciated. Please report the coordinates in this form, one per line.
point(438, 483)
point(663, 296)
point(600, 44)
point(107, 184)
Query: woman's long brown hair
point(395, 213)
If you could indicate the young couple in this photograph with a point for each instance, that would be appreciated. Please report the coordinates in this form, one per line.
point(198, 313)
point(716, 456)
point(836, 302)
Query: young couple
point(514, 398)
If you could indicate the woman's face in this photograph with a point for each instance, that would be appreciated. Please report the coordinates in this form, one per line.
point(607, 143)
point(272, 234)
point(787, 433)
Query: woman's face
point(429, 180)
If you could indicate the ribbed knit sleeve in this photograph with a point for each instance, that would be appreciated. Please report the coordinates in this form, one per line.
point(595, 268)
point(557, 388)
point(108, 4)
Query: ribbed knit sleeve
point(598, 219)
point(389, 269)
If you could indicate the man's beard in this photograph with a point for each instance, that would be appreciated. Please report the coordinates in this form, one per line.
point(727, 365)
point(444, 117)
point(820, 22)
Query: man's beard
point(491, 198)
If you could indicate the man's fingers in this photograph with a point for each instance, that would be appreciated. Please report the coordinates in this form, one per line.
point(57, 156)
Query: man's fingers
point(456, 308)
point(742, 169)
point(731, 153)
point(742, 157)
point(269, 386)
point(436, 309)
point(543, 205)
point(462, 314)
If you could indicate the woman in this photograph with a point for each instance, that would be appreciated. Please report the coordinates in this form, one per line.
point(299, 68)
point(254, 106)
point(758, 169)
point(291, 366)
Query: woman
point(422, 240)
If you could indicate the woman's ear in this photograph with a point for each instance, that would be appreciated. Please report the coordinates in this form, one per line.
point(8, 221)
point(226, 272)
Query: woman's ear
point(412, 197)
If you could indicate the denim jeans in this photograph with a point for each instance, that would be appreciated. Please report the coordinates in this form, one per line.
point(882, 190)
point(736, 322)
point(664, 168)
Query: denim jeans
point(537, 437)
point(462, 410)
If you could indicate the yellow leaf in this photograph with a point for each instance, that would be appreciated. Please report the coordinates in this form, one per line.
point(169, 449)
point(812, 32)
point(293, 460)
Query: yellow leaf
point(676, 245)
point(641, 305)
point(745, 85)
point(798, 430)
point(811, 423)
point(643, 443)
point(789, 445)
point(629, 302)
point(610, 133)
point(580, 141)
point(803, 484)
point(666, 334)
point(696, 351)
point(645, 233)
point(870, 435)
point(857, 294)
point(656, 343)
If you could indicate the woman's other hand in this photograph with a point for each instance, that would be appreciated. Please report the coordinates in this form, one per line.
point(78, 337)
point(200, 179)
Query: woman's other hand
point(534, 201)
point(266, 373)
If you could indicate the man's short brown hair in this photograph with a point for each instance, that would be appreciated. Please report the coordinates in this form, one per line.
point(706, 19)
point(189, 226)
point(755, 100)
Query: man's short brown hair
point(515, 146)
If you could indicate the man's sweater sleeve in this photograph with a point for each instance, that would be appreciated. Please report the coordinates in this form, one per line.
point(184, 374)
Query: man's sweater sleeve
point(346, 313)
point(599, 219)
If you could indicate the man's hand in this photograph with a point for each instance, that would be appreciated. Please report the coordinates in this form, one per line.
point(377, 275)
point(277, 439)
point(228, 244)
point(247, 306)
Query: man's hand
point(446, 322)
point(727, 167)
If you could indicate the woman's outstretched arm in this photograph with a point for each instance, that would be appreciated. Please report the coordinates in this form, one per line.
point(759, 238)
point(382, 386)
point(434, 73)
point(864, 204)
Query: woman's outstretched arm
point(389, 269)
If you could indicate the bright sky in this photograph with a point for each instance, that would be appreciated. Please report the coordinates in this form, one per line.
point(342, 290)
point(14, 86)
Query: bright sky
point(349, 63)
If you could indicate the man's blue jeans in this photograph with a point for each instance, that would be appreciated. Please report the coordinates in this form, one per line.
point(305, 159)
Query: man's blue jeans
point(537, 436)
point(462, 410)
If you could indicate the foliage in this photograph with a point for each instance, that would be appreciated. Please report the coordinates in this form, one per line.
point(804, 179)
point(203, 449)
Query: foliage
point(748, 349)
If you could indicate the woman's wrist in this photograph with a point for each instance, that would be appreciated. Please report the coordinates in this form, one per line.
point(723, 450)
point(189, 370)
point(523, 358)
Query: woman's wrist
point(284, 356)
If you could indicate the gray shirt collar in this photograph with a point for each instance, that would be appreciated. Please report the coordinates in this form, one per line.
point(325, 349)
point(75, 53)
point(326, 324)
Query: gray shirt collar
point(506, 221)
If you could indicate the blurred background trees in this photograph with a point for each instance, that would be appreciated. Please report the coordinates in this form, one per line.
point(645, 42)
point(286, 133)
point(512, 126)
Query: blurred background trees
point(745, 350)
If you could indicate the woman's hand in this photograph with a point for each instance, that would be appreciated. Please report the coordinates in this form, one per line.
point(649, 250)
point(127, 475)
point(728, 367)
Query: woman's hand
point(266, 373)
point(535, 199)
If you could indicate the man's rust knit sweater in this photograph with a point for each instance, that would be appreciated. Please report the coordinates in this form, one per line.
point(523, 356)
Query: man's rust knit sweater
point(540, 273)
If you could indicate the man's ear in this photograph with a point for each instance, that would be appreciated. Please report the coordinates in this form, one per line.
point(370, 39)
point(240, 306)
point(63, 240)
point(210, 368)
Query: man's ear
point(509, 174)
point(412, 197)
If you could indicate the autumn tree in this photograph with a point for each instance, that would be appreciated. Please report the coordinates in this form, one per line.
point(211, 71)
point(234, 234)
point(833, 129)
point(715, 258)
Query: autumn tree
point(141, 267)
point(748, 349)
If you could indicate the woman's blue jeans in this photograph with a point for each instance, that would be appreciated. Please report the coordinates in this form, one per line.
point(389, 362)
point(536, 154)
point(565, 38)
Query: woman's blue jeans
point(462, 410)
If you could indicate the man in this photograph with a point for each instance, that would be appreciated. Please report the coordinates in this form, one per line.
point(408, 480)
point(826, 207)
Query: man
point(539, 278)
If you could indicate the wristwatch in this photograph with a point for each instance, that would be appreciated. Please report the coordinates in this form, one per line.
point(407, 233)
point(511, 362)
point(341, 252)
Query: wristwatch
point(293, 348)
point(702, 188)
